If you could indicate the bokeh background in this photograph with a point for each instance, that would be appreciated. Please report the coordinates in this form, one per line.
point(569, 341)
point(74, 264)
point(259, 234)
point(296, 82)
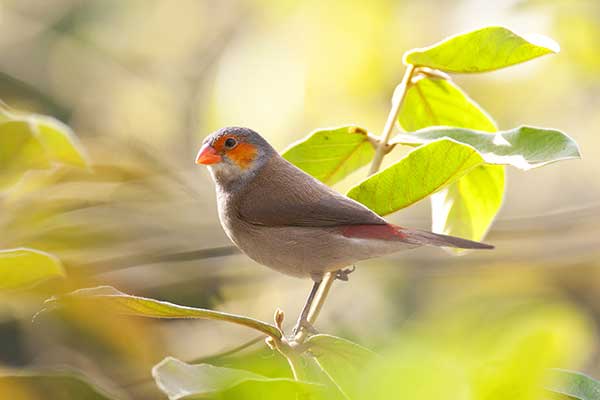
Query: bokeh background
point(141, 82)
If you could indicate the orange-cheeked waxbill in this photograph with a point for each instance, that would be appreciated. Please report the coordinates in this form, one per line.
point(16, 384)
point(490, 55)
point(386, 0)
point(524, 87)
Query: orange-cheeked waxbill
point(283, 218)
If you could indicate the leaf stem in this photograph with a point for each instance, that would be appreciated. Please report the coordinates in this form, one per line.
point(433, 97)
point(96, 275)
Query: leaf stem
point(397, 100)
point(227, 353)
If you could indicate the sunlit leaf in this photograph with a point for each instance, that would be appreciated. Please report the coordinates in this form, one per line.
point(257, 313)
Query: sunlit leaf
point(342, 360)
point(33, 386)
point(331, 154)
point(525, 147)
point(20, 151)
point(573, 384)
point(519, 372)
point(484, 347)
point(431, 101)
point(125, 304)
point(482, 50)
point(468, 206)
point(59, 142)
point(179, 380)
point(35, 142)
point(22, 268)
point(422, 172)
point(421, 371)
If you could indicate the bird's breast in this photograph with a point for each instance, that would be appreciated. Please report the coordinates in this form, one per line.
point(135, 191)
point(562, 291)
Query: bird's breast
point(227, 214)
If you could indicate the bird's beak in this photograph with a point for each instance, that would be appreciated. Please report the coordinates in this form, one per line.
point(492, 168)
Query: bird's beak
point(207, 155)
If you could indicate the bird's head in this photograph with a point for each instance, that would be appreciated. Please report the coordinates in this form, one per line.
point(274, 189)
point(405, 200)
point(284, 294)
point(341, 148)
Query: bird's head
point(234, 153)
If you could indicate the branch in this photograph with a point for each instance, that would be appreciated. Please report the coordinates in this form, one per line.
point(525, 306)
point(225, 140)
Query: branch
point(397, 100)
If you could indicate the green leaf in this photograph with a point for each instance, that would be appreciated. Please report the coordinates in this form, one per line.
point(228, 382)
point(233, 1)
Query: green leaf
point(22, 268)
point(179, 380)
point(60, 142)
point(35, 142)
point(431, 101)
point(468, 206)
point(419, 373)
point(330, 155)
point(525, 147)
point(125, 304)
point(422, 172)
point(342, 360)
point(482, 50)
point(480, 348)
point(20, 151)
point(49, 386)
point(573, 384)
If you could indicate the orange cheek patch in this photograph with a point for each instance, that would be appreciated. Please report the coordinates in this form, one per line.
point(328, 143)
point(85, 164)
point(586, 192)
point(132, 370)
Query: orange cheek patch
point(243, 154)
point(220, 143)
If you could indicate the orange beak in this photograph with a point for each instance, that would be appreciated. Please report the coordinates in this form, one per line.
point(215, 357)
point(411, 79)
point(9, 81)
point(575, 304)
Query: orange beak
point(208, 155)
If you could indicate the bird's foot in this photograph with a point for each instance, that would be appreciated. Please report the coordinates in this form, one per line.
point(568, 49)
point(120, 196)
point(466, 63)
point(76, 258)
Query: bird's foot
point(343, 274)
point(304, 324)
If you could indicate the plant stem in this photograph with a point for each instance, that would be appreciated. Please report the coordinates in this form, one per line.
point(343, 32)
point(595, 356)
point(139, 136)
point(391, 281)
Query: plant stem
point(226, 353)
point(317, 305)
point(397, 101)
point(326, 284)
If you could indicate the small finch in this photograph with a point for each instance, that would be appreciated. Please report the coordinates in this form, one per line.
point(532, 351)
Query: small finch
point(283, 218)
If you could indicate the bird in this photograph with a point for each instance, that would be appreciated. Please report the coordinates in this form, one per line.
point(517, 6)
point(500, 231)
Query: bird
point(283, 218)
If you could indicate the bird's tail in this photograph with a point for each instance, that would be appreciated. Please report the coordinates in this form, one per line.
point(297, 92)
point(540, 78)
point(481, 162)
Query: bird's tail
point(419, 237)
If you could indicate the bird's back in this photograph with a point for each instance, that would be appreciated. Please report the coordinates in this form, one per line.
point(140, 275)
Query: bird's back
point(283, 195)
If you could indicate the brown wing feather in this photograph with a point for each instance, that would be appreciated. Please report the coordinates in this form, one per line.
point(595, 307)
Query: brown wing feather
point(283, 195)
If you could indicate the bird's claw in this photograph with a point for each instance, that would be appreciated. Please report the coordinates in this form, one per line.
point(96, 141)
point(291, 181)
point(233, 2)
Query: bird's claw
point(307, 326)
point(343, 274)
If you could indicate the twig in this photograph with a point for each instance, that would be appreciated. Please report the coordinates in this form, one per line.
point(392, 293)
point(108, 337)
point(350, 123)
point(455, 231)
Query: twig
point(397, 101)
point(229, 352)
point(316, 307)
point(328, 280)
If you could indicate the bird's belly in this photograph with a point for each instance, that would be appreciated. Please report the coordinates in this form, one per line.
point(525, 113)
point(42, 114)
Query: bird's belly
point(305, 251)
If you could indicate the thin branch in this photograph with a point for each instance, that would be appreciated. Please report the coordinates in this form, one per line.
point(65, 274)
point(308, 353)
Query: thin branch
point(397, 101)
point(316, 307)
point(227, 353)
point(328, 280)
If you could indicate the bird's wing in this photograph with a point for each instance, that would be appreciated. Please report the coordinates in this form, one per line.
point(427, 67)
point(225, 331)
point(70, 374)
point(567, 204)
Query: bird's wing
point(283, 195)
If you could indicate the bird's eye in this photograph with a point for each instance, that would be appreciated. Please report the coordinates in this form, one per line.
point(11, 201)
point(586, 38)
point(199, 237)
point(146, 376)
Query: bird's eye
point(230, 143)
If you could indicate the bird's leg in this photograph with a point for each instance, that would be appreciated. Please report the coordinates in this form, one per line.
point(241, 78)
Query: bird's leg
point(343, 274)
point(303, 319)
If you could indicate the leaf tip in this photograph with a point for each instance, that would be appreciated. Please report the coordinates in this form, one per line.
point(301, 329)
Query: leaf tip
point(165, 361)
point(543, 41)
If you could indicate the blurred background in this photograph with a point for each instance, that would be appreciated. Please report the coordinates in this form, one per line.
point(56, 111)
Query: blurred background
point(142, 82)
